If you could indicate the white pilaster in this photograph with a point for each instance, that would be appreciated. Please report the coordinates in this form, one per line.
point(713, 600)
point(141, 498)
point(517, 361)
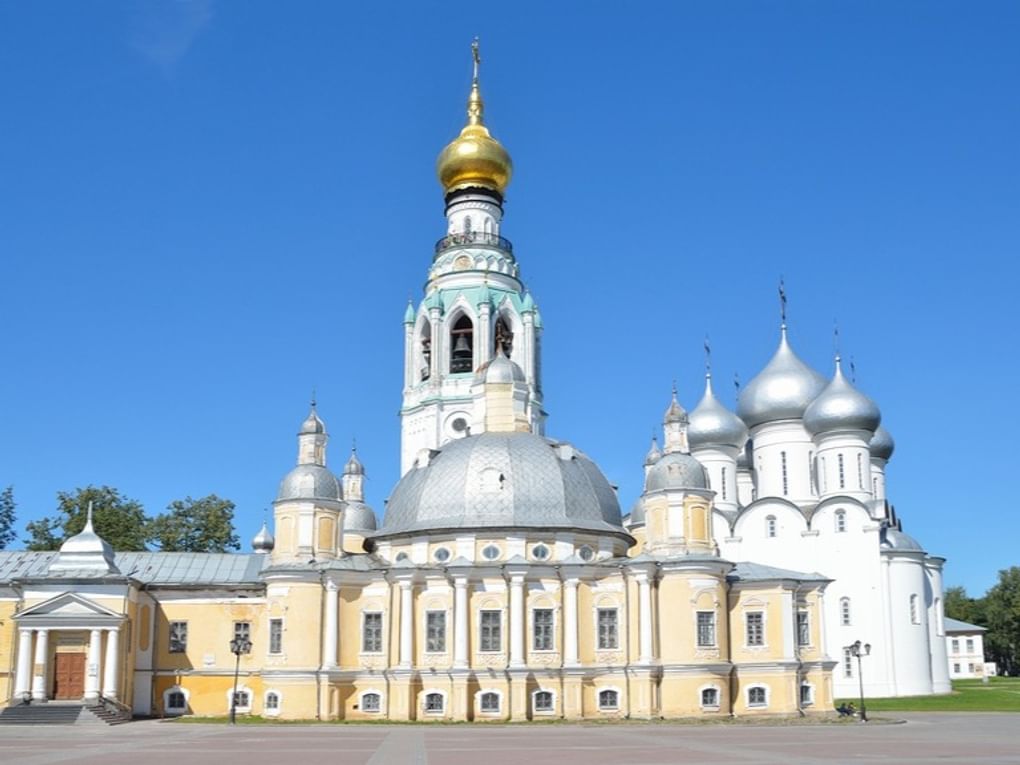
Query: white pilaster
point(645, 619)
point(570, 623)
point(406, 624)
point(23, 678)
point(409, 349)
point(111, 665)
point(331, 628)
point(41, 670)
point(436, 347)
point(528, 319)
point(460, 626)
point(92, 668)
point(483, 342)
point(517, 626)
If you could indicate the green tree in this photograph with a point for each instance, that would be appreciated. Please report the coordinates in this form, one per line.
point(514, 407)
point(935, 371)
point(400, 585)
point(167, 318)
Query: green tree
point(958, 605)
point(196, 525)
point(7, 507)
point(117, 519)
point(1002, 618)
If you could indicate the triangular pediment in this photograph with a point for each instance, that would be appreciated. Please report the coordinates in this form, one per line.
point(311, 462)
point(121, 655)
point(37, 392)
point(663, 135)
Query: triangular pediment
point(68, 604)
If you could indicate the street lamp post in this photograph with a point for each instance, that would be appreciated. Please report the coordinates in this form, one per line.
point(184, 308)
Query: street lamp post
point(858, 650)
point(238, 646)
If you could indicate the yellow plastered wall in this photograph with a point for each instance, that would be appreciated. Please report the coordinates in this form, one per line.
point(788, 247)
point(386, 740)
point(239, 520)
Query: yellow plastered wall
point(681, 694)
point(768, 600)
point(492, 595)
point(680, 596)
point(8, 644)
point(781, 692)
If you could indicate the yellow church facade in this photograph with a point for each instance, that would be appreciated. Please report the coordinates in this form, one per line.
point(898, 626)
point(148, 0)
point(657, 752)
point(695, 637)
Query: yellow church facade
point(503, 584)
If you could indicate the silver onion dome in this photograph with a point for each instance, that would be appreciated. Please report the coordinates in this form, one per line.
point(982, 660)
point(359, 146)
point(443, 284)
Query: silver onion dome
point(309, 482)
point(676, 470)
point(500, 370)
point(263, 542)
point(841, 407)
point(358, 517)
point(712, 424)
point(503, 480)
point(637, 514)
point(354, 466)
point(312, 424)
point(654, 453)
point(675, 412)
point(882, 444)
point(782, 390)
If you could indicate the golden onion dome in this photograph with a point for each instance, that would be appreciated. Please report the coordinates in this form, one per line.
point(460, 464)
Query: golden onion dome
point(474, 158)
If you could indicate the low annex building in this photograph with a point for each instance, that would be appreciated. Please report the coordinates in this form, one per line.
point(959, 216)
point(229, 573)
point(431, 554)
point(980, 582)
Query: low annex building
point(504, 583)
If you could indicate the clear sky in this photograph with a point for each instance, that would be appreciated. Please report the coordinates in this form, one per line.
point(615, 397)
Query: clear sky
point(209, 208)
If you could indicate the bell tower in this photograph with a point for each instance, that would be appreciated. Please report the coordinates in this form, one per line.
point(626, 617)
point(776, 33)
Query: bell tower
point(475, 306)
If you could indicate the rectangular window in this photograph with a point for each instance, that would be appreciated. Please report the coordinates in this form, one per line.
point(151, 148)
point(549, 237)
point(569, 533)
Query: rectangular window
point(491, 638)
point(860, 473)
point(542, 626)
point(371, 633)
point(608, 626)
point(956, 669)
point(242, 631)
point(786, 482)
point(811, 472)
point(706, 629)
point(755, 623)
point(956, 645)
point(435, 631)
point(842, 472)
point(970, 645)
point(848, 663)
point(724, 484)
point(803, 628)
point(806, 697)
point(178, 637)
point(276, 636)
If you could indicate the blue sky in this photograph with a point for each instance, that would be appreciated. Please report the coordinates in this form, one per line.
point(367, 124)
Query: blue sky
point(209, 208)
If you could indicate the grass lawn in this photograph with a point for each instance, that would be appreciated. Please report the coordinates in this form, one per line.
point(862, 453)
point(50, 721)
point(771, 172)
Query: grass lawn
point(1002, 694)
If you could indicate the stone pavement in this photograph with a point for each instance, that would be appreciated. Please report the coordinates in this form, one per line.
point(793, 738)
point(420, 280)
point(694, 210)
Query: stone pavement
point(974, 739)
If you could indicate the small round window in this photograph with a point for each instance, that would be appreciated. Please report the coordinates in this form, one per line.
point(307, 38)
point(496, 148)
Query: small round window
point(401, 557)
point(540, 552)
point(442, 555)
point(459, 425)
point(490, 552)
point(586, 553)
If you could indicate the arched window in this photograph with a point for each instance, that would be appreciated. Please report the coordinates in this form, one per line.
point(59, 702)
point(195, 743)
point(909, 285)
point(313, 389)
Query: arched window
point(723, 482)
point(915, 613)
point(175, 701)
point(860, 472)
point(811, 472)
point(840, 520)
point(842, 471)
point(786, 480)
point(825, 476)
point(434, 703)
point(709, 697)
point(757, 696)
point(844, 612)
point(371, 702)
point(425, 343)
point(272, 702)
point(461, 345)
point(770, 526)
point(488, 702)
point(503, 337)
point(467, 224)
point(542, 701)
point(609, 699)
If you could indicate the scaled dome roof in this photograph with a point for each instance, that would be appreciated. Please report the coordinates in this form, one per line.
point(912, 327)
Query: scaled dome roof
point(782, 390)
point(676, 470)
point(309, 482)
point(503, 480)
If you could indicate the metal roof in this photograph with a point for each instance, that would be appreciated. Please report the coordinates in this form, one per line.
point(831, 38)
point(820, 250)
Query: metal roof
point(155, 568)
point(757, 572)
point(955, 625)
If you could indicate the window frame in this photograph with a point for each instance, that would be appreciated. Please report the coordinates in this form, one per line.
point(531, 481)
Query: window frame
point(432, 693)
point(763, 704)
point(175, 710)
point(240, 708)
point(718, 697)
point(275, 621)
point(840, 521)
point(439, 639)
point(272, 711)
point(760, 618)
point(488, 693)
point(548, 634)
point(365, 649)
point(178, 645)
point(534, 701)
point(845, 612)
point(771, 527)
point(242, 630)
point(379, 701)
point(613, 624)
point(803, 628)
point(615, 707)
point(806, 695)
point(487, 639)
point(710, 626)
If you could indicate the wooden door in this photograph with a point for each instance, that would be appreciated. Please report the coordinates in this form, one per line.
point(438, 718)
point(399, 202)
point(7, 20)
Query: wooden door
point(69, 676)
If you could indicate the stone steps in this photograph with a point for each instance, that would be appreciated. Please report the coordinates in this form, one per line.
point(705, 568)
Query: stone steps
point(41, 713)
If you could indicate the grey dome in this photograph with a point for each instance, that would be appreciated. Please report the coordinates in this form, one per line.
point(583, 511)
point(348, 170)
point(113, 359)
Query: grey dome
point(312, 424)
point(85, 551)
point(882, 444)
point(503, 480)
point(354, 466)
point(263, 542)
point(782, 390)
point(309, 482)
point(637, 514)
point(744, 457)
point(676, 471)
point(895, 539)
point(500, 370)
point(712, 424)
point(358, 517)
point(675, 412)
point(841, 407)
point(654, 453)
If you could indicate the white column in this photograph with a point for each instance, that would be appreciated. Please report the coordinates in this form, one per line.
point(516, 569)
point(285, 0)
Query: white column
point(409, 371)
point(570, 623)
point(435, 363)
point(23, 679)
point(483, 341)
point(42, 654)
point(92, 668)
point(460, 626)
point(528, 319)
point(406, 625)
point(517, 627)
point(645, 619)
point(111, 664)
point(331, 628)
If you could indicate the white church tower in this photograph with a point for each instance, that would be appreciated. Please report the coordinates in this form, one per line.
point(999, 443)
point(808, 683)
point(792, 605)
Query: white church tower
point(475, 306)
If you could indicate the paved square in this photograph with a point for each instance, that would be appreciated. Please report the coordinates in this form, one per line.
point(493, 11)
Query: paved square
point(975, 739)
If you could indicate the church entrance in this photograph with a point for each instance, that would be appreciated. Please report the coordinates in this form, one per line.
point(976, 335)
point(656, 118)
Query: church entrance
point(69, 676)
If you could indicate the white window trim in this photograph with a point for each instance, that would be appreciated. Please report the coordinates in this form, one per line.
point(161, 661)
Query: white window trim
point(425, 635)
point(836, 518)
point(382, 629)
point(170, 632)
point(747, 696)
point(425, 694)
point(382, 701)
point(807, 614)
point(764, 627)
point(481, 553)
point(849, 620)
point(279, 703)
point(502, 631)
point(771, 527)
point(619, 698)
point(718, 697)
point(552, 693)
point(715, 627)
point(531, 642)
point(167, 709)
point(240, 689)
point(811, 694)
point(619, 626)
point(478, 702)
point(269, 635)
